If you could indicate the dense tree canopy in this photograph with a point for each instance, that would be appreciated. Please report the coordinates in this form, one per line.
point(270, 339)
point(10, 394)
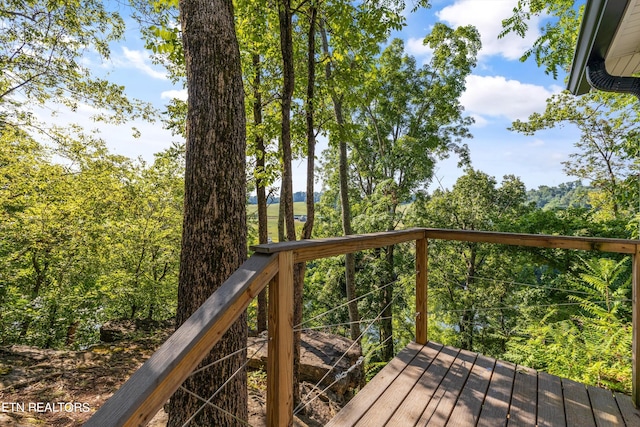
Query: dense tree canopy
point(86, 241)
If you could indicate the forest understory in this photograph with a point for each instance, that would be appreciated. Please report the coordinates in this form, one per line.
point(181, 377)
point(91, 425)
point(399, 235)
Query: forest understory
point(44, 387)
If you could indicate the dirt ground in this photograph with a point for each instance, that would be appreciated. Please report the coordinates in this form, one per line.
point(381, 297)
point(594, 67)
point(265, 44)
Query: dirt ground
point(64, 388)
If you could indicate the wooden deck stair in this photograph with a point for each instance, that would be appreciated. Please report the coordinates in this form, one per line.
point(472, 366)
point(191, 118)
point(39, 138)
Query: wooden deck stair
point(435, 385)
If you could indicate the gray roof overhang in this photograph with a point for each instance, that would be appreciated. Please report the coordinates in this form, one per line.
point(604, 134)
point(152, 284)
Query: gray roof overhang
point(601, 24)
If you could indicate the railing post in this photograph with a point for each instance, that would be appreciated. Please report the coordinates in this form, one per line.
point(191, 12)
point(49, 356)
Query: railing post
point(635, 394)
point(421, 290)
point(280, 347)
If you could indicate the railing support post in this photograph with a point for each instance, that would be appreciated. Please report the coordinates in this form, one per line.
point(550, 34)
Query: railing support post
point(421, 290)
point(635, 394)
point(280, 347)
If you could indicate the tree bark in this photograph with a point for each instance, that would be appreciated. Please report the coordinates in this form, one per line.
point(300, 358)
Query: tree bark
point(301, 268)
point(261, 193)
point(214, 228)
point(307, 229)
point(282, 232)
point(350, 259)
point(286, 199)
point(386, 324)
point(466, 320)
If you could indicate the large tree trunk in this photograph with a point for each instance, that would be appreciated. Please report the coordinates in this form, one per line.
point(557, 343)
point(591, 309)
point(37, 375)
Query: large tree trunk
point(350, 259)
point(214, 229)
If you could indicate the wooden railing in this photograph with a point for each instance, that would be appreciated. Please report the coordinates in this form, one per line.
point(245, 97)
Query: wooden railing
point(137, 401)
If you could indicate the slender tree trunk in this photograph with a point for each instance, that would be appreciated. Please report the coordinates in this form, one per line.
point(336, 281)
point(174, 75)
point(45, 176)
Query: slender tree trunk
point(282, 232)
point(466, 322)
point(286, 45)
point(350, 260)
point(263, 231)
point(386, 325)
point(214, 232)
point(307, 229)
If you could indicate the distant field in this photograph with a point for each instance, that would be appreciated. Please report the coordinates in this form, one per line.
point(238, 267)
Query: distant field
point(299, 208)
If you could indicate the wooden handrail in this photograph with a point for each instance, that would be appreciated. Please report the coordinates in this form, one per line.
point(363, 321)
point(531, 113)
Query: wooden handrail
point(137, 401)
point(622, 246)
point(307, 250)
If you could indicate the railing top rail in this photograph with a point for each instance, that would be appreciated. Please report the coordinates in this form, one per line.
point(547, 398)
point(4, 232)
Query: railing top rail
point(601, 244)
point(306, 250)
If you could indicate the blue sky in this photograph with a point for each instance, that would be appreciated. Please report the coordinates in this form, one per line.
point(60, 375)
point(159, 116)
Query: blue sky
point(500, 90)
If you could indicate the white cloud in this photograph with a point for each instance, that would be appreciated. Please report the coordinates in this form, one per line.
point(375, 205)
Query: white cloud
point(487, 17)
point(479, 121)
point(170, 94)
point(139, 60)
point(118, 137)
point(495, 96)
point(415, 47)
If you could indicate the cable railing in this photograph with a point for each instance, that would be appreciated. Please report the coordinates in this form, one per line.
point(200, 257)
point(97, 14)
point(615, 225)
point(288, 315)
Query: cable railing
point(149, 388)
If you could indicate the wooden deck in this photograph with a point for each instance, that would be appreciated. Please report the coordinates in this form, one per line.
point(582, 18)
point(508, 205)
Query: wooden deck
point(435, 385)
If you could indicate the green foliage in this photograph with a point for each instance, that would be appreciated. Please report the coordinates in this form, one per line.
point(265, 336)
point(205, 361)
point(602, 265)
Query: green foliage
point(87, 238)
point(593, 345)
point(569, 194)
point(607, 149)
point(410, 115)
point(554, 49)
point(606, 289)
point(474, 203)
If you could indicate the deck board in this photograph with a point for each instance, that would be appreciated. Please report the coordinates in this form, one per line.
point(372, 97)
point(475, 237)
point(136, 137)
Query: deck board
point(467, 409)
point(522, 411)
point(496, 403)
point(577, 405)
point(411, 409)
point(444, 399)
point(435, 385)
point(550, 404)
point(363, 401)
point(398, 390)
point(629, 414)
point(605, 408)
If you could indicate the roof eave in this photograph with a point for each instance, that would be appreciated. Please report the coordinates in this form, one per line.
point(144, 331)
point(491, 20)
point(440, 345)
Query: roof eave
point(599, 24)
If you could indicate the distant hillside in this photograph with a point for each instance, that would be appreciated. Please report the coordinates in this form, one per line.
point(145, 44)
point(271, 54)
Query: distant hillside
point(562, 196)
point(299, 196)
